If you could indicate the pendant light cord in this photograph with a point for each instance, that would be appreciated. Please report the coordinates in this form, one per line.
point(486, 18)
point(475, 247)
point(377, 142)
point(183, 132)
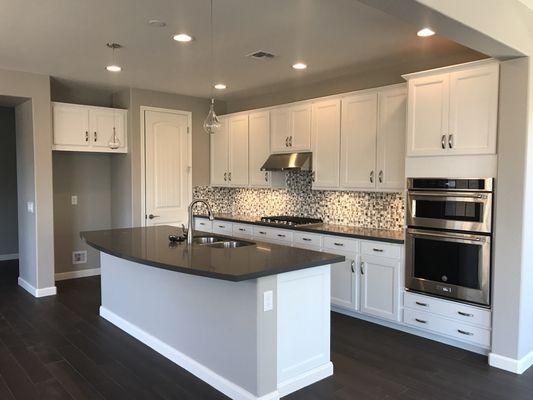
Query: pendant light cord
point(212, 50)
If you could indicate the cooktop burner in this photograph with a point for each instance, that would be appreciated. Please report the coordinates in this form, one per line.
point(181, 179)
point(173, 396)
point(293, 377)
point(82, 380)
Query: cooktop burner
point(291, 221)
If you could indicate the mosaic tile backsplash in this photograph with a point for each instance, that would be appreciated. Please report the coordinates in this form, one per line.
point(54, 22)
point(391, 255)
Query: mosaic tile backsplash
point(365, 209)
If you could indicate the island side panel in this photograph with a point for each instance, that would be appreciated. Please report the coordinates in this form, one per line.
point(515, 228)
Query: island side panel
point(212, 322)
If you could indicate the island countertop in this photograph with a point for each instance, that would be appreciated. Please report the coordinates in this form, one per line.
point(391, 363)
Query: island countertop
point(150, 246)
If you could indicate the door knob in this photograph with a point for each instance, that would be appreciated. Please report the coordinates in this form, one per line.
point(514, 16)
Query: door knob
point(152, 216)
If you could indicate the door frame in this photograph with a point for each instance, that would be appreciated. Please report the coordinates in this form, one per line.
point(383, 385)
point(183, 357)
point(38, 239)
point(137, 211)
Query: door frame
point(142, 130)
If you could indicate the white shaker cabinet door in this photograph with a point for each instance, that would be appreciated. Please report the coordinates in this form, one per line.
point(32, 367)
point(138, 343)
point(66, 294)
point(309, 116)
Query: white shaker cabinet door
point(473, 110)
point(71, 126)
point(345, 281)
point(326, 143)
point(391, 139)
point(428, 115)
point(280, 126)
point(358, 141)
point(259, 138)
point(300, 124)
point(101, 123)
point(219, 155)
point(238, 150)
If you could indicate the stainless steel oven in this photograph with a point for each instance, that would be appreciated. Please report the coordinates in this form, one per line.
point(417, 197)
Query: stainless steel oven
point(449, 237)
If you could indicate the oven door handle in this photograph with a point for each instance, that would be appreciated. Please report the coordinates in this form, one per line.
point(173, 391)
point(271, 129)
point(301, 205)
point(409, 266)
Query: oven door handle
point(449, 195)
point(469, 238)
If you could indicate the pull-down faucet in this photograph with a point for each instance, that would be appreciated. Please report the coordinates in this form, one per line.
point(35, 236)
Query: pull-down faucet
point(191, 217)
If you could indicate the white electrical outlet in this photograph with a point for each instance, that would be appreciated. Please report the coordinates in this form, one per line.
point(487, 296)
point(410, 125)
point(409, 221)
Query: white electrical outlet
point(74, 200)
point(30, 207)
point(268, 300)
point(79, 257)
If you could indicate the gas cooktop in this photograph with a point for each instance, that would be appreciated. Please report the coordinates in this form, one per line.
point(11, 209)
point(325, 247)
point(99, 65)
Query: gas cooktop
point(287, 220)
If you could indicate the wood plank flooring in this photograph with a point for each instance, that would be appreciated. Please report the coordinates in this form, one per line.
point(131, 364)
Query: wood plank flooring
point(59, 348)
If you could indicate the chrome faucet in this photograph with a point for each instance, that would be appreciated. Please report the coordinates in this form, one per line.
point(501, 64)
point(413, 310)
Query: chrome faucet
point(191, 217)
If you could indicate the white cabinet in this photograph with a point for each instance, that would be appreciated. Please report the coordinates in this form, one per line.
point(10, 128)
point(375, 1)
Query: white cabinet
point(326, 117)
point(380, 281)
point(259, 138)
point(358, 141)
point(345, 281)
point(203, 224)
point(290, 128)
point(229, 152)
point(87, 128)
point(223, 227)
point(453, 111)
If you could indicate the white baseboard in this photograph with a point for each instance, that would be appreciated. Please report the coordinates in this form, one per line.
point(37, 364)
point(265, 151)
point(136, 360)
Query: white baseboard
point(220, 383)
point(510, 364)
point(48, 291)
point(305, 379)
point(6, 257)
point(82, 273)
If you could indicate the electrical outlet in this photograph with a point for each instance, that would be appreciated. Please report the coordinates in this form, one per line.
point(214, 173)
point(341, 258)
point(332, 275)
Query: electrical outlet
point(74, 200)
point(268, 300)
point(79, 257)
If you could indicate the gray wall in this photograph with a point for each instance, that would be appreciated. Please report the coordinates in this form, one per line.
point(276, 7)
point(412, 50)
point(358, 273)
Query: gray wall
point(8, 178)
point(87, 176)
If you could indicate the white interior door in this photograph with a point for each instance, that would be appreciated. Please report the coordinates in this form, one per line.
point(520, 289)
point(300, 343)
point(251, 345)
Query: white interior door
point(168, 172)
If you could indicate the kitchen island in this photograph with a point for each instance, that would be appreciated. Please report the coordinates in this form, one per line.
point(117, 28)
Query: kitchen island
point(252, 321)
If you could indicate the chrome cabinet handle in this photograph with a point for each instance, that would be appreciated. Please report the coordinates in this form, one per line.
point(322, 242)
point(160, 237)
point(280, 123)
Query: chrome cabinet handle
point(464, 314)
point(450, 141)
point(421, 304)
point(86, 136)
point(266, 176)
point(221, 226)
point(242, 229)
point(352, 265)
point(371, 176)
point(95, 136)
point(421, 321)
point(306, 239)
point(362, 269)
point(281, 235)
point(290, 141)
point(229, 176)
point(465, 332)
point(287, 141)
point(202, 223)
point(313, 176)
point(377, 250)
point(262, 233)
point(380, 176)
point(338, 244)
point(443, 142)
point(225, 176)
point(152, 216)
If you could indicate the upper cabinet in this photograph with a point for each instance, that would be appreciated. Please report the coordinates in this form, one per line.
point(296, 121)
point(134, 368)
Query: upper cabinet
point(326, 138)
point(88, 128)
point(291, 128)
point(259, 139)
point(453, 111)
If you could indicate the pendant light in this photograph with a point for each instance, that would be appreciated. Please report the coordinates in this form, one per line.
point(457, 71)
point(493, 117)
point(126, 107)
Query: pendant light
point(212, 123)
point(114, 141)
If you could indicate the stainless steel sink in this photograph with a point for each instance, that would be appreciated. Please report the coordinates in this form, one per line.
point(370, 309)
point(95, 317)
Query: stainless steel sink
point(207, 239)
point(220, 242)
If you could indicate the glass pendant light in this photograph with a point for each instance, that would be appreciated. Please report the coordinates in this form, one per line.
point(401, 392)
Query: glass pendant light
point(212, 123)
point(114, 141)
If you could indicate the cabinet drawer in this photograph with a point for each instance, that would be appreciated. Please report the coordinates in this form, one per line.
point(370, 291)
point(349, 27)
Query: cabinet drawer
point(307, 239)
point(448, 327)
point(270, 234)
point(381, 249)
point(203, 224)
point(449, 309)
point(242, 230)
point(339, 243)
point(223, 227)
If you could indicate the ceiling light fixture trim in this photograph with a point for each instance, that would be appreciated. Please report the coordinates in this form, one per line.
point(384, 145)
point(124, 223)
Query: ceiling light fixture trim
point(299, 65)
point(182, 38)
point(425, 32)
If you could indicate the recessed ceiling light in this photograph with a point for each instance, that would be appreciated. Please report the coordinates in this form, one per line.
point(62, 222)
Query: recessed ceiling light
point(157, 23)
point(182, 37)
point(220, 86)
point(114, 68)
point(425, 32)
point(299, 65)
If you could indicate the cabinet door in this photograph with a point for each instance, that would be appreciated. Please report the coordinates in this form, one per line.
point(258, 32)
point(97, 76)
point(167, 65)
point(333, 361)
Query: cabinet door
point(280, 126)
point(101, 124)
point(428, 115)
point(219, 155)
point(473, 110)
point(344, 282)
point(391, 139)
point(326, 136)
point(380, 279)
point(358, 141)
point(300, 133)
point(238, 150)
point(71, 126)
point(259, 137)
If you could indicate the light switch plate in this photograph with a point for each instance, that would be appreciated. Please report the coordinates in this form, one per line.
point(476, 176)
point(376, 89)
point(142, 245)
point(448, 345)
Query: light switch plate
point(74, 200)
point(268, 300)
point(30, 207)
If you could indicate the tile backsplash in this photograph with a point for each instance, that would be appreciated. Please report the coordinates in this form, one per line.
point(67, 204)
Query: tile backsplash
point(365, 209)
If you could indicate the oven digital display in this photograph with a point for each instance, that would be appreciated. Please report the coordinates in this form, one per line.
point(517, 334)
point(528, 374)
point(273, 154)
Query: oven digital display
point(448, 184)
point(450, 210)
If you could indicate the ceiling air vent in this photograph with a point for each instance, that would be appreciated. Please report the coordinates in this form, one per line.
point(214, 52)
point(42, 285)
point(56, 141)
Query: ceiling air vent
point(261, 55)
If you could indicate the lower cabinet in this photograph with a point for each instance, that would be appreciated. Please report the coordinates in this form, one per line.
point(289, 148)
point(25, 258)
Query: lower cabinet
point(345, 281)
point(380, 291)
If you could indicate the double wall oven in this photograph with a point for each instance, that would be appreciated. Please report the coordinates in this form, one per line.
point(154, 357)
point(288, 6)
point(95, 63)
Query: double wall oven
point(449, 237)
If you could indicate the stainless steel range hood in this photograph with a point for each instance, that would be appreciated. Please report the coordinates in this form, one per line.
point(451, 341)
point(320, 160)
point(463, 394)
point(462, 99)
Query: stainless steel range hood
point(289, 161)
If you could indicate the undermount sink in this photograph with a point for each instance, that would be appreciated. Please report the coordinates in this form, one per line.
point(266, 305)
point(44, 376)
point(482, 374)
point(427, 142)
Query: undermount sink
point(220, 242)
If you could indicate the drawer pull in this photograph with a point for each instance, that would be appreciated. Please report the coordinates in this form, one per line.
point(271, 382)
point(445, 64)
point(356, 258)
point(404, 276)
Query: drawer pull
point(221, 226)
point(306, 239)
point(421, 321)
point(352, 265)
point(202, 223)
point(421, 304)
point(464, 314)
point(338, 244)
point(377, 250)
point(281, 235)
point(465, 332)
point(242, 229)
point(262, 233)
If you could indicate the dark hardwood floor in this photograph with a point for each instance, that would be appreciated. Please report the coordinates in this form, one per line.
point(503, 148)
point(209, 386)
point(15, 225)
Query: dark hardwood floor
point(58, 348)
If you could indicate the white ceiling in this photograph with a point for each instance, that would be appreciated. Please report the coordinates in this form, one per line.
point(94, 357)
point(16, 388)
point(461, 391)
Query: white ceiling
point(66, 39)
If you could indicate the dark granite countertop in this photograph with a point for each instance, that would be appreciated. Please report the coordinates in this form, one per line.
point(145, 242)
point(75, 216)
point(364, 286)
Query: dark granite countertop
point(150, 246)
point(381, 235)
